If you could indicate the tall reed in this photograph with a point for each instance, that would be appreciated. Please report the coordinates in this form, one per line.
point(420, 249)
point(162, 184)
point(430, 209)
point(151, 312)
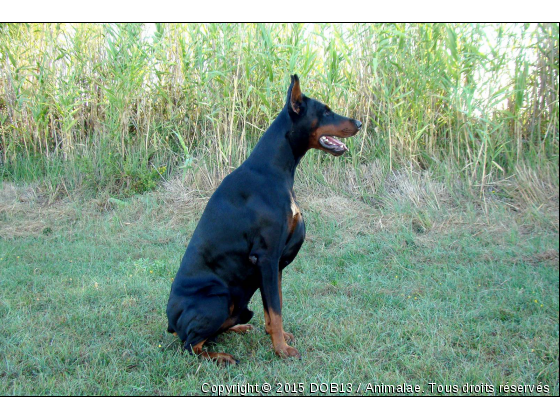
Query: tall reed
point(113, 102)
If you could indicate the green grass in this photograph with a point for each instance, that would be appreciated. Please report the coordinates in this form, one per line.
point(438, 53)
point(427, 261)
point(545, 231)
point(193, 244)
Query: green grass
point(82, 308)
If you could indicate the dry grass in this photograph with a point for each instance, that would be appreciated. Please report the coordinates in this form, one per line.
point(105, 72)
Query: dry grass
point(549, 256)
point(402, 197)
point(416, 189)
point(30, 211)
point(529, 189)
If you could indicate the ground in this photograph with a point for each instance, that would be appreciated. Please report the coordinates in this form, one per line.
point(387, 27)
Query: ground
point(422, 285)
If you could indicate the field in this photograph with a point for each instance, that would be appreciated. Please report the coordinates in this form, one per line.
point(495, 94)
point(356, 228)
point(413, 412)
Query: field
point(432, 254)
point(402, 292)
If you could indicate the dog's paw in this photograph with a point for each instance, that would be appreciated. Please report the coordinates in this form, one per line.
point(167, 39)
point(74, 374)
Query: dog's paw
point(224, 359)
point(241, 328)
point(289, 337)
point(286, 351)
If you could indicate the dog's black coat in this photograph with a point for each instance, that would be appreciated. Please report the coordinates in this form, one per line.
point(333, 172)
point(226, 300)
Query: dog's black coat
point(251, 228)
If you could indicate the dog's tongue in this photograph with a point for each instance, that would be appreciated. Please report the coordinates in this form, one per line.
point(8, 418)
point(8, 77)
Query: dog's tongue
point(336, 143)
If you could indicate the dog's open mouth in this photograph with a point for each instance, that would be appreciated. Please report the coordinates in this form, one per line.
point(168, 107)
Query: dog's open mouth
point(333, 145)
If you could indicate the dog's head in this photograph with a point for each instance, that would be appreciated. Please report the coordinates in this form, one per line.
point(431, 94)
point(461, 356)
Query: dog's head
point(314, 125)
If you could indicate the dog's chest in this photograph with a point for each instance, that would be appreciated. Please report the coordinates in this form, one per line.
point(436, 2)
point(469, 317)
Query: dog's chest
point(294, 216)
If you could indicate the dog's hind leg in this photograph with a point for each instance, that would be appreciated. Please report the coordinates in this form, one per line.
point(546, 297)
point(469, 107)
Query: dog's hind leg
point(204, 322)
point(243, 318)
point(241, 328)
point(219, 358)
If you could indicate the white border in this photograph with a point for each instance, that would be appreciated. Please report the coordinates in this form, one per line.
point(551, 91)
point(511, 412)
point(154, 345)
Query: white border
point(281, 11)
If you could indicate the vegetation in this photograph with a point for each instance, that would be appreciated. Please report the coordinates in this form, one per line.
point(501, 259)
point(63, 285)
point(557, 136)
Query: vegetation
point(110, 106)
point(401, 293)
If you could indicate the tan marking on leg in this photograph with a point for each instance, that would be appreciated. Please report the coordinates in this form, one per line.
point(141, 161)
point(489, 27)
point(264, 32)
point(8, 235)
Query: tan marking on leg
point(280, 285)
point(241, 328)
point(266, 322)
point(228, 323)
point(274, 328)
point(219, 358)
point(287, 336)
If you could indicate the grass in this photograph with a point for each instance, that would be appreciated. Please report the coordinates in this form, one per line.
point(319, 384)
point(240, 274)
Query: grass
point(392, 292)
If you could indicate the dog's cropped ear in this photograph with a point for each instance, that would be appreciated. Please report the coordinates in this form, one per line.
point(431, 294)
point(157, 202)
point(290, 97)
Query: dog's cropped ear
point(295, 97)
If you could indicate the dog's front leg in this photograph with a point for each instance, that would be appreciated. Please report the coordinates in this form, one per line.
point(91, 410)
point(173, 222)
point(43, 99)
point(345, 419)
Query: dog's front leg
point(272, 302)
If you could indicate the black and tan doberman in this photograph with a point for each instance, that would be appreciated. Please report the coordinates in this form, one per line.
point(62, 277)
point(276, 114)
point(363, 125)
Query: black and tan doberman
point(250, 231)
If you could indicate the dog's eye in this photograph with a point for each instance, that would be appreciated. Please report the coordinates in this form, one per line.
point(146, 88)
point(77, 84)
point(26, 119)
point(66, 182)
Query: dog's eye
point(327, 112)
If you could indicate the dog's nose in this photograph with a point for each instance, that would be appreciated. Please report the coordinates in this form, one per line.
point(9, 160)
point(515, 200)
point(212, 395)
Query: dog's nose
point(358, 124)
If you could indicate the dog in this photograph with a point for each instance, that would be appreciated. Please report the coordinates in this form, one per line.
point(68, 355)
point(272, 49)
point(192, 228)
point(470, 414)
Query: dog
point(250, 231)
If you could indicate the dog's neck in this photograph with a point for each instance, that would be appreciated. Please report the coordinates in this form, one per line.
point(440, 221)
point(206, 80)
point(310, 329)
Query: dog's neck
point(277, 150)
